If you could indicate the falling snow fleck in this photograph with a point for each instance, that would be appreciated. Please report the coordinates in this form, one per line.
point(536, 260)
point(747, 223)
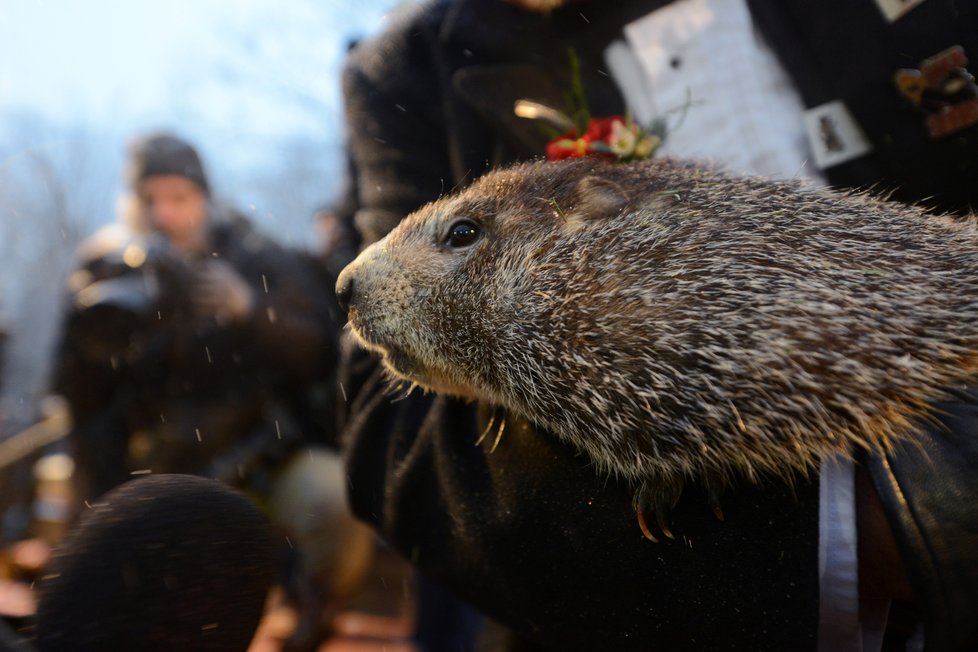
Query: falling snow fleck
point(197, 431)
point(264, 281)
point(278, 431)
point(272, 317)
point(207, 351)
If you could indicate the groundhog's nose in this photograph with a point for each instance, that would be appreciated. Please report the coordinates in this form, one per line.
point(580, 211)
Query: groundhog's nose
point(344, 288)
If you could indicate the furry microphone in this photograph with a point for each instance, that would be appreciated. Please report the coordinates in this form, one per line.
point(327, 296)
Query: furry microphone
point(166, 562)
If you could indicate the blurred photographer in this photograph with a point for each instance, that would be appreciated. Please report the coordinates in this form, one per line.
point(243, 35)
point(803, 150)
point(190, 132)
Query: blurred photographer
point(194, 344)
point(187, 335)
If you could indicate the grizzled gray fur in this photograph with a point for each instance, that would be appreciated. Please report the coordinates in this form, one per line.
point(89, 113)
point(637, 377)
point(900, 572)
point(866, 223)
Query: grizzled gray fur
point(676, 322)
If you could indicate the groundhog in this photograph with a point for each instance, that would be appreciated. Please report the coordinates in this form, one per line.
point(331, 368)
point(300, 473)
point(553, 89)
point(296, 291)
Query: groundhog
point(673, 321)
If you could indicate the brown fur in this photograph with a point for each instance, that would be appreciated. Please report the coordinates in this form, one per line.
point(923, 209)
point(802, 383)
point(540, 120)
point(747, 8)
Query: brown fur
point(677, 322)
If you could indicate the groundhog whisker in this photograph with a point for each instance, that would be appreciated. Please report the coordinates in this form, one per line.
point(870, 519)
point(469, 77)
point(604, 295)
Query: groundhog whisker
point(485, 432)
point(499, 435)
point(407, 392)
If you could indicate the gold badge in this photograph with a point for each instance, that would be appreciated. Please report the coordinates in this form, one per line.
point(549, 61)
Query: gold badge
point(944, 89)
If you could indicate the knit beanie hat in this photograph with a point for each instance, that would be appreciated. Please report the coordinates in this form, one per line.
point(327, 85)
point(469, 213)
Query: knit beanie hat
point(162, 154)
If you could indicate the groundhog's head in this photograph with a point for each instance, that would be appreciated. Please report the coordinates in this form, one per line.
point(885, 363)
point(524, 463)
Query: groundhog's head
point(449, 289)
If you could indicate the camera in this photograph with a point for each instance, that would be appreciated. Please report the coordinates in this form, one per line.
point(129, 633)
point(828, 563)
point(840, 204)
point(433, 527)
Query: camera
point(126, 286)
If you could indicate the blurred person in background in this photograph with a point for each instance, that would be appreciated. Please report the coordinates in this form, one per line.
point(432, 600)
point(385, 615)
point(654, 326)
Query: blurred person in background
point(172, 354)
point(192, 343)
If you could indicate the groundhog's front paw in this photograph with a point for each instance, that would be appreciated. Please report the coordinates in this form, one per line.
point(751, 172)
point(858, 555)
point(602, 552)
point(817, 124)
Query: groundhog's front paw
point(654, 501)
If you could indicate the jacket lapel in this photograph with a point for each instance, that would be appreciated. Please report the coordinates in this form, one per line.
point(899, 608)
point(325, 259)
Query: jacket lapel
point(492, 90)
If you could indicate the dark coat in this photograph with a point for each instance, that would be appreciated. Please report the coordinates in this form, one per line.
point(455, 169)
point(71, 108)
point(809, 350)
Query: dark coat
point(530, 533)
point(152, 385)
point(845, 50)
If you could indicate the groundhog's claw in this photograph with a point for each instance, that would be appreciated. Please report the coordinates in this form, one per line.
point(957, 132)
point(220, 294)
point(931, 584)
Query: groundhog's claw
point(717, 511)
point(658, 499)
point(663, 525)
point(660, 521)
point(644, 527)
point(654, 501)
point(714, 487)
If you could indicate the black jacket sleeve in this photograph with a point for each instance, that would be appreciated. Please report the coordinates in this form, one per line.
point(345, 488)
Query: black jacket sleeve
point(394, 114)
point(534, 536)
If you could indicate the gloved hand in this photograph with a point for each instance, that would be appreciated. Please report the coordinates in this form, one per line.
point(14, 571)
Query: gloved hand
point(220, 292)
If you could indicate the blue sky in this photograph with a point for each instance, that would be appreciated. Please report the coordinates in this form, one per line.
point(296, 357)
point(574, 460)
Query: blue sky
point(115, 60)
point(253, 84)
point(68, 58)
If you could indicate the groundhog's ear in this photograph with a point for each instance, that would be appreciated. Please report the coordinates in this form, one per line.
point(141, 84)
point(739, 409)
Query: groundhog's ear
point(596, 199)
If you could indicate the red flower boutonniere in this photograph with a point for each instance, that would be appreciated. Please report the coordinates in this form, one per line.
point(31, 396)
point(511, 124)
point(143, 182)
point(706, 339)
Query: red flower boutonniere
point(614, 138)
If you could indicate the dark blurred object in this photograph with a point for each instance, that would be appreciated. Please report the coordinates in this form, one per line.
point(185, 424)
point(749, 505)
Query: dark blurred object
point(10, 642)
point(309, 501)
point(128, 305)
point(126, 283)
point(152, 384)
point(163, 563)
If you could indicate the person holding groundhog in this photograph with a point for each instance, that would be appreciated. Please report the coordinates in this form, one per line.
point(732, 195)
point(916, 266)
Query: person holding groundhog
point(524, 526)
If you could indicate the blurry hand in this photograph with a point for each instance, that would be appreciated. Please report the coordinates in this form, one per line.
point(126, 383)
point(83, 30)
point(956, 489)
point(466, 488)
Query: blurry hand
point(220, 292)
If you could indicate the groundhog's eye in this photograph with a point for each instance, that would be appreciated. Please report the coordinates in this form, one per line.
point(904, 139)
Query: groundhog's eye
point(462, 233)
